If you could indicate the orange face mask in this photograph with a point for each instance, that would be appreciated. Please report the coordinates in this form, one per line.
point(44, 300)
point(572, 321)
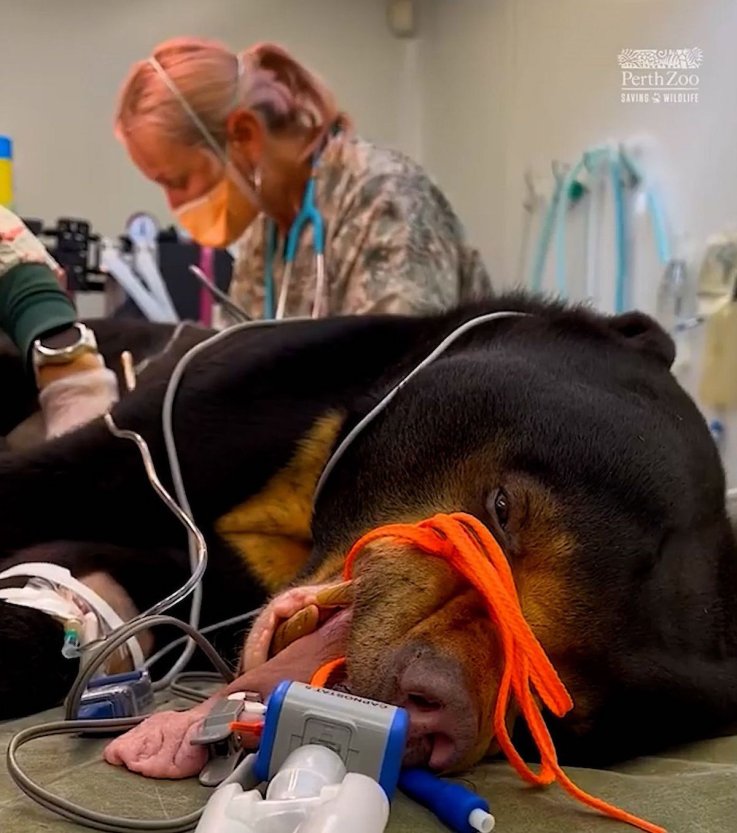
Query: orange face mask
point(220, 217)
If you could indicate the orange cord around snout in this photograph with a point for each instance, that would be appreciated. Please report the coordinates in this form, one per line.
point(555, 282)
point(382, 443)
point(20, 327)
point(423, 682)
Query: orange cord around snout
point(468, 546)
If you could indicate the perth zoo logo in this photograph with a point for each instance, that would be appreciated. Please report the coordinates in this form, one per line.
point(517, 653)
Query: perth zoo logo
point(660, 76)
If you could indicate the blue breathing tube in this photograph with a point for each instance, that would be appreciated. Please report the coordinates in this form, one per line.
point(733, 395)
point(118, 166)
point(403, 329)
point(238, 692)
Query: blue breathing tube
point(569, 189)
point(621, 280)
point(569, 193)
point(546, 234)
point(462, 810)
point(655, 209)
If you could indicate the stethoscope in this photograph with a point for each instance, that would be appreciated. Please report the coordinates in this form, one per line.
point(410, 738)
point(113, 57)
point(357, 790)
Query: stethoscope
point(308, 213)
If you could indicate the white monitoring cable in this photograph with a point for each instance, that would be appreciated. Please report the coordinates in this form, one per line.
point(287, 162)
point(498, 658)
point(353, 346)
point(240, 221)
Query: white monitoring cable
point(377, 409)
point(185, 518)
point(176, 472)
point(234, 620)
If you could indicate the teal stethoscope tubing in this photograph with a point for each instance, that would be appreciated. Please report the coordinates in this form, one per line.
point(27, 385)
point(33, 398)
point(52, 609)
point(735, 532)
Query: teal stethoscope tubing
point(308, 214)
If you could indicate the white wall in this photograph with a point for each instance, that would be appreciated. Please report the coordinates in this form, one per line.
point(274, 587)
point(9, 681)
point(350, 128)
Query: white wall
point(67, 60)
point(514, 84)
point(463, 49)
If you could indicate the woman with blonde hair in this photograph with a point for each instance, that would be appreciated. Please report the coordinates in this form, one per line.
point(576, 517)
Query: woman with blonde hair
point(244, 144)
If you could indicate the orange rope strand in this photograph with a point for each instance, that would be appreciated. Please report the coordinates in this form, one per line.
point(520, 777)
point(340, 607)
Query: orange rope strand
point(468, 546)
point(322, 675)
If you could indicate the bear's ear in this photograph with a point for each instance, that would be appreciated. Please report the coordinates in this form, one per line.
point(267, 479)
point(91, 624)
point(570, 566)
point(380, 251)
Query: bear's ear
point(643, 333)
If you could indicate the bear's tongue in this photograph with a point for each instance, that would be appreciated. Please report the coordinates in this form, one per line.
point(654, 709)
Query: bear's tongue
point(299, 660)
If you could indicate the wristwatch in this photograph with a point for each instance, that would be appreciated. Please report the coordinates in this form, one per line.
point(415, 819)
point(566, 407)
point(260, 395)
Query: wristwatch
point(63, 347)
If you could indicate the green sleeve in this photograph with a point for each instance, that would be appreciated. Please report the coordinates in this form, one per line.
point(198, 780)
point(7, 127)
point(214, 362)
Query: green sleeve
point(32, 304)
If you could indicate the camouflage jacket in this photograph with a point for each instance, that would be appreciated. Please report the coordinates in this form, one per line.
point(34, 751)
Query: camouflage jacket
point(392, 242)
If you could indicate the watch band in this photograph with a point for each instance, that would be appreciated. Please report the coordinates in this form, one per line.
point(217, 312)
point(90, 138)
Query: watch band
point(53, 372)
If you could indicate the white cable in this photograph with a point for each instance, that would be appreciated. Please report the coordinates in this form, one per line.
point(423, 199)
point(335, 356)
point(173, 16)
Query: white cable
point(234, 620)
point(376, 410)
point(175, 469)
point(181, 687)
point(197, 543)
point(178, 330)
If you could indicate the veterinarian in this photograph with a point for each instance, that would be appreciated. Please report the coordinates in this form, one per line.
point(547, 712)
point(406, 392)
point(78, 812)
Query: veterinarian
point(37, 315)
point(235, 141)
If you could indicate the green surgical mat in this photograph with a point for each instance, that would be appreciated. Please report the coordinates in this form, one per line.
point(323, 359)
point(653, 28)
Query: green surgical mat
point(686, 790)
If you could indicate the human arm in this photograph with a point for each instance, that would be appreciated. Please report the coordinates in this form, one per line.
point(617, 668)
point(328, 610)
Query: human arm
point(34, 306)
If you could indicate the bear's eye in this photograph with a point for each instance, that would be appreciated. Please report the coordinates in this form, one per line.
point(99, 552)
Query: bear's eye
point(498, 507)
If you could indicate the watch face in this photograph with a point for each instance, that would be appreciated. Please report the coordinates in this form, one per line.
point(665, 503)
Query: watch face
point(60, 340)
point(143, 229)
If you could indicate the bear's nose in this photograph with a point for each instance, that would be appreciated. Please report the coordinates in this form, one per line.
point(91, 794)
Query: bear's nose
point(441, 711)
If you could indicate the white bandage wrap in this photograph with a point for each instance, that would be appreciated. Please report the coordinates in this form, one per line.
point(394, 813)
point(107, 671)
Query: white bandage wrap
point(67, 600)
point(58, 603)
point(77, 399)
